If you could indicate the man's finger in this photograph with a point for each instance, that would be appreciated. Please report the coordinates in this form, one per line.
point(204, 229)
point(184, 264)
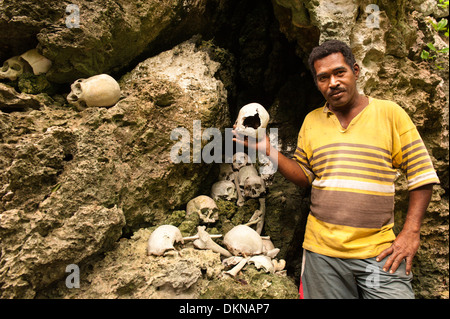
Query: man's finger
point(397, 261)
point(409, 261)
point(390, 260)
point(239, 141)
point(384, 253)
point(239, 138)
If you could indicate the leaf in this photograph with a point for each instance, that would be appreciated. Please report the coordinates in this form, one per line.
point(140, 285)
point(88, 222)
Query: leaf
point(56, 187)
point(444, 50)
point(442, 24)
point(435, 26)
point(424, 55)
point(431, 46)
point(443, 4)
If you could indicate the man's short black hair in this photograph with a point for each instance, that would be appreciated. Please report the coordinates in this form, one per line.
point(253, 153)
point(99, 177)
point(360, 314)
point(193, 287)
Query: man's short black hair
point(327, 48)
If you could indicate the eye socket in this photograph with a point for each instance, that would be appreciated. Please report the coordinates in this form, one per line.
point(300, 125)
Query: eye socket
point(77, 88)
point(16, 67)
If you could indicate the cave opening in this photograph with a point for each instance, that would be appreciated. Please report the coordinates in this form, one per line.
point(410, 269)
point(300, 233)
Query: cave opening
point(264, 67)
point(269, 71)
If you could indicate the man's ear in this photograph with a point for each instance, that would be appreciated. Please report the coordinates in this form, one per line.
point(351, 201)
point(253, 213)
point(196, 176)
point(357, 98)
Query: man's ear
point(356, 70)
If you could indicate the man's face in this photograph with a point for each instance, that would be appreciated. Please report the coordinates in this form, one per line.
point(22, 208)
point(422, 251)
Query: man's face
point(336, 80)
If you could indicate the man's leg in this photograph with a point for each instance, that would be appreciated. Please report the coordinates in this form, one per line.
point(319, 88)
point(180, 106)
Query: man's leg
point(326, 277)
point(374, 283)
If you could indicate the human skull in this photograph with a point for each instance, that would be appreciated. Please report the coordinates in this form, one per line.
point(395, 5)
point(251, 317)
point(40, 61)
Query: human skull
point(224, 190)
point(98, 90)
point(244, 173)
point(162, 240)
point(226, 172)
point(252, 120)
point(205, 207)
point(14, 67)
point(254, 186)
point(263, 262)
point(240, 159)
point(39, 63)
point(243, 240)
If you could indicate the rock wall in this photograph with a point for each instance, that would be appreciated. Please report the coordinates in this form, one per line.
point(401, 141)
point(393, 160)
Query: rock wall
point(387, 39)
point(72, 181)
point(110, 34)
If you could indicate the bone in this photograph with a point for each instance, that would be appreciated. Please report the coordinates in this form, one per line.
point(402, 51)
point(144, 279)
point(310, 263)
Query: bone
point(13, 68)
point(188, 238)
point(224, 190)
point(236, 269)
point(278, 265)
point(263, 262)
point(231, 261)
point(38, 62)
point(269, 249)
point(240, 159)
point(162, 240)
point(100, 90)
point(241, 200)
point(256, 217)
point(272, 253)
point(204, 241)
point(226, 172)
point(252, 120)
point(204, 206)
point(262, 208)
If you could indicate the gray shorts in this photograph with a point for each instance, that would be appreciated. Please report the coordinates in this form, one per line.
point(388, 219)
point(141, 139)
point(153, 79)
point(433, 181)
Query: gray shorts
point(326, 277)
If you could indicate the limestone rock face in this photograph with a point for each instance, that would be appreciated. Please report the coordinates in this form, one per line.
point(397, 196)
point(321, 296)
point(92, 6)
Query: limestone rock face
point(103, 37)
point(387, 40)
point(70, 181)
point(87, 187)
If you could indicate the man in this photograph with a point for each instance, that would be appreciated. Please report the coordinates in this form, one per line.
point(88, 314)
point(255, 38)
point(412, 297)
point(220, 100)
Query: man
point(349, 151)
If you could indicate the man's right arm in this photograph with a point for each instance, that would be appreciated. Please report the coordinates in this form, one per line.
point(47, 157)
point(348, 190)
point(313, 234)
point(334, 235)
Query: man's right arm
point(288, 167)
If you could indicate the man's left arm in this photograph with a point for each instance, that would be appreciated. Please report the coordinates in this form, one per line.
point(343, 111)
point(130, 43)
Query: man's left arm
point(407, 242)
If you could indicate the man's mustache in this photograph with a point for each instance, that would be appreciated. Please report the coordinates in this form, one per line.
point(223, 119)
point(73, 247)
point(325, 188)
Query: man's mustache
point(335, 91)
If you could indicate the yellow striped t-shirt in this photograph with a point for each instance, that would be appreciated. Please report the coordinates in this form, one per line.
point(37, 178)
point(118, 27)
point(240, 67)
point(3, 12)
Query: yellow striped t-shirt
point(352, 172)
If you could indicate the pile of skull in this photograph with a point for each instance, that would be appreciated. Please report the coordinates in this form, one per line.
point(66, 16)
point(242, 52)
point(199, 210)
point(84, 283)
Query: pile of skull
point(238, 181)
point(100, 90)
point(28, 62)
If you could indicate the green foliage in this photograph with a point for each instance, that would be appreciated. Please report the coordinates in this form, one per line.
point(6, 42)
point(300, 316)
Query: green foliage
point(443, 4)
point(435, 55)
point(442, 25)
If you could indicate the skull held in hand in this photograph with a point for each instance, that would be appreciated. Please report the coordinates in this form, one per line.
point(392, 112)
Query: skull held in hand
point(252, 120)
